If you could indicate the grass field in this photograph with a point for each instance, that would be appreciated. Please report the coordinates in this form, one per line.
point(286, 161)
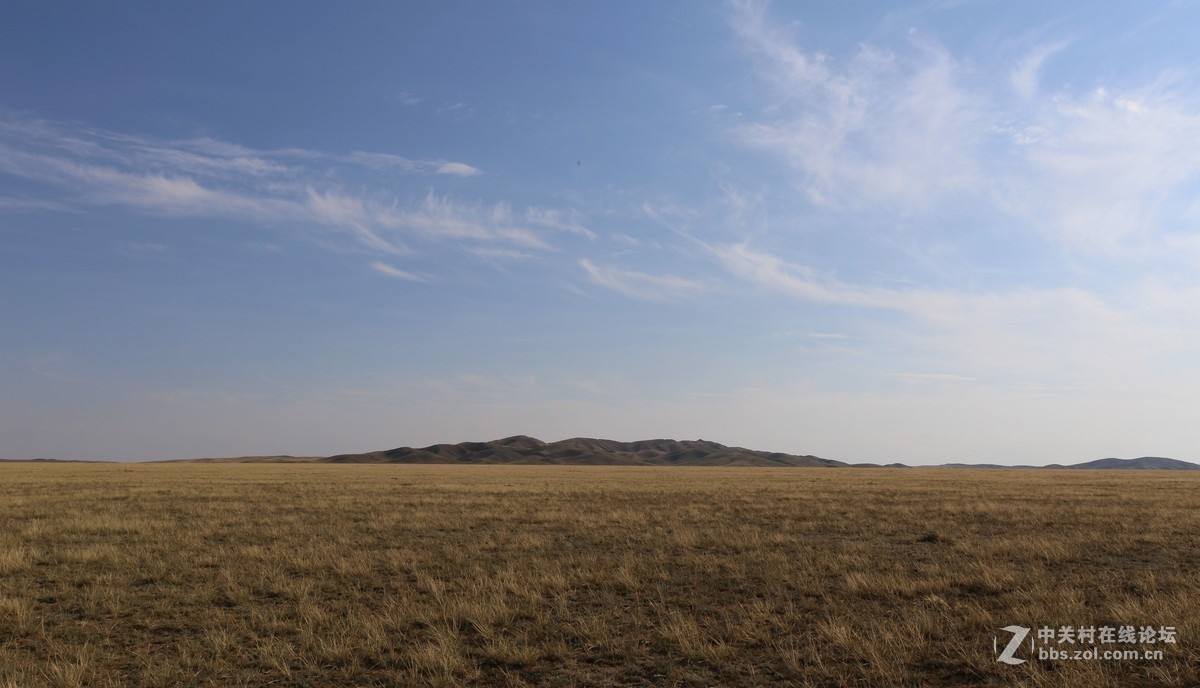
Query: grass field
point(352, 575)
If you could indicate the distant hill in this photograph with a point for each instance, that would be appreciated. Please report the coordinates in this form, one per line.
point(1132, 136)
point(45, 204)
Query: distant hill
point(49, 461)
point(280, 458)
point(584, 451)
point(1147, 463)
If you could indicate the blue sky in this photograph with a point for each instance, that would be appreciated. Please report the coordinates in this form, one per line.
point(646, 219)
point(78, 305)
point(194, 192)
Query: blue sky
point(943, 231)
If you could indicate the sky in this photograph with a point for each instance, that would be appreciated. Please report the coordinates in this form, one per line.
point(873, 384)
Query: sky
point(870, 231)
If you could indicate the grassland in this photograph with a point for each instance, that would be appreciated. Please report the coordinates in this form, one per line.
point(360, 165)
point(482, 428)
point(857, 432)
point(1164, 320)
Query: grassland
point(380, 575)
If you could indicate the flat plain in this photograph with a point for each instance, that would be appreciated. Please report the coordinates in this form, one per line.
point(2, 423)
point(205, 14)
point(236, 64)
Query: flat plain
point(228, 574)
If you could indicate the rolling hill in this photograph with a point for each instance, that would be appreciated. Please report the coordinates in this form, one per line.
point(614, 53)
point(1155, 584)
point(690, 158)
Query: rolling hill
point(1151, 463)
point(585, 451)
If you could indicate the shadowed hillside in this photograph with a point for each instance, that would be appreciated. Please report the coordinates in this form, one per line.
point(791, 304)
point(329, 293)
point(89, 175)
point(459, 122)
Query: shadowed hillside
point(1153, 463)
point(587, 451)
point(521, 449)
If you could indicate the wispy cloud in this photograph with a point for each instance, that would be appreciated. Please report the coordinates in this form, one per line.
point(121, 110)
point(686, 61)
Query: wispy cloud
point(145, 250)
point(387, 161)
point(904, 132)
point(54, 366)
point(642, 286)
point(1040, 332)
point(1025, 76)
point(802, 282)
point(458, 169)
point(1098, 170)
point(933, 377)
point(912, 128)
point(886, 126)
point(558, 220)
point(496, 253)
point(395, 273)
point(409, 98)
point(78, 167)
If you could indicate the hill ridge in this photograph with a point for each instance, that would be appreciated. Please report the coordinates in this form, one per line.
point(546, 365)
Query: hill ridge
point(587, 451)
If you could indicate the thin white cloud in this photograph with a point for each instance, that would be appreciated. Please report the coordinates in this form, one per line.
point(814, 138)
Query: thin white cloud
point(395, 273)
point(443, 217)
point(1098, 171)
point(909, 136)
point(933, 377)
point(558, 220)
point(887, 127)
point(409, 98)
point(798, 281)
point(388, 161)
point(642, 286)
point(1025, 76)
point(352, 213)
point(910, 128)
point(1046, 333)
point(211, 178)
point(145, 250)
point(52, 365)
point(495, 253)
point(458, 169)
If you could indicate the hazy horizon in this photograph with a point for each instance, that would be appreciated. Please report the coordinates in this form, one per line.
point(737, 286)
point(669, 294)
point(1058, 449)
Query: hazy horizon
point(880, 462)
point(923, 233)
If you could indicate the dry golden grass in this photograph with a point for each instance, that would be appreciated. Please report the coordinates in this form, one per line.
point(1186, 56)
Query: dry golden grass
point(345, 575)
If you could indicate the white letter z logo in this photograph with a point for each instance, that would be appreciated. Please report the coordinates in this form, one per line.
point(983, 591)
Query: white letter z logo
point(1018, 633)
